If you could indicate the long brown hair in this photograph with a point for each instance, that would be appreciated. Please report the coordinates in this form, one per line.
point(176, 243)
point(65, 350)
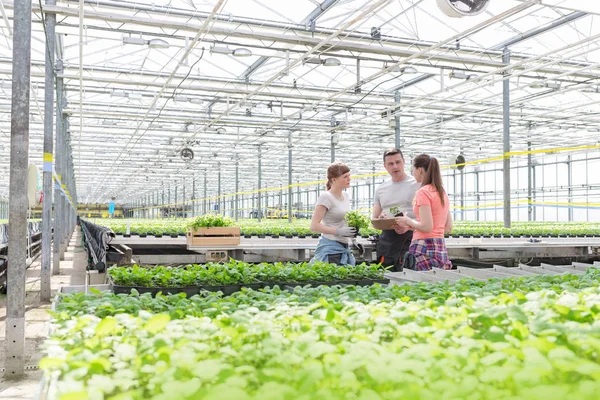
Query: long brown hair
point(433, 174)
point(335, 170)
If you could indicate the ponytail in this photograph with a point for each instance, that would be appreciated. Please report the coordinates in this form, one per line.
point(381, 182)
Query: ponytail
point(433, 174)
point(328, 185)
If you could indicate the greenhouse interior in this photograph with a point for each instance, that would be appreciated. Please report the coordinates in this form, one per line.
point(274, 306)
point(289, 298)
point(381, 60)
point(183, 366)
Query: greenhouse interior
point(310, 199)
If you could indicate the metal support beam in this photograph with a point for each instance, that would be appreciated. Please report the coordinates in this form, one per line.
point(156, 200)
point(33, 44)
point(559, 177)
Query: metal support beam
point(290, 177)
point(59, 200)
point(540, 29)
point(219, 207)
point(332, 147)
point(205, 194)
point(19, 155)
point(45, 285)
point(397, 119)
point(477, 195)
point(506, 140)
point(570, 184)
point(529, 182)
point(259, 208)
point(462, 195)
point(237, 187)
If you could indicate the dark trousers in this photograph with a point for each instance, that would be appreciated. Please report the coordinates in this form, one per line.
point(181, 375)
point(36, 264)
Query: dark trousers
point(391, 248)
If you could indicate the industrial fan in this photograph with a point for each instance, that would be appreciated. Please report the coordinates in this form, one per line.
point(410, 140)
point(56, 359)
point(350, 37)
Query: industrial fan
point(187, 154)
point(462, 8)
point(457, 162)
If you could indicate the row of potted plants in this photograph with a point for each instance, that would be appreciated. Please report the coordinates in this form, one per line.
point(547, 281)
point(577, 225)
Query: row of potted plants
point(282, 229)
point(231, 276)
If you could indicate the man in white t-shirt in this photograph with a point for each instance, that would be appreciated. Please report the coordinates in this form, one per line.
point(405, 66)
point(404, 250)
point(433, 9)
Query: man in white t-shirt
point(391, 198)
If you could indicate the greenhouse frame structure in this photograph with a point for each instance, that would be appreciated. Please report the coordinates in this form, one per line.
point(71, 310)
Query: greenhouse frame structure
point(114, 92)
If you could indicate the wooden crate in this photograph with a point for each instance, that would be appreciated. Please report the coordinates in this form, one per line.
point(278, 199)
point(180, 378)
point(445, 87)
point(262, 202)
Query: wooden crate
point(211, 237)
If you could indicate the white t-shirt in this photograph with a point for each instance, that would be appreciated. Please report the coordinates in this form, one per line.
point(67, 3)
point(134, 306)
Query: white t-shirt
point(397, 194)
point(335, 214)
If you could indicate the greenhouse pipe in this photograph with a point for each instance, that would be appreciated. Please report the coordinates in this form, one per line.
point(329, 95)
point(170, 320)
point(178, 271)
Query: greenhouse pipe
point(570, 185)
point(219, 208)
point(462, 194)
point(237, 187)
point(290, 177)
point(397, 119)
point(332, 147)
point(529, 182)
point(194, 196)
point(539, 30)
point(506, 138)
point(205, 195)
point(46, 256)
point(477, 195)
point(259, 210)
point(352, 46)
point(19, 153)
point(58, 215)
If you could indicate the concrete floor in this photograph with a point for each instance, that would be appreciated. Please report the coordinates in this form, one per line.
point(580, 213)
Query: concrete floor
point(72, 272)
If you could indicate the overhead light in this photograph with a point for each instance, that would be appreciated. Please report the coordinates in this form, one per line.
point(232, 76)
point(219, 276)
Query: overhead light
point(242, 52)
point(180, 98)
point(313, 60)
point(407, 69)
point(117, 93)
point(195, 100)
point(220, 49)
point(545, 84)
point(140, 41)
point(462, 75)
point(134, 40)
point(158, 44)
point(221, 130)
point(134, 96)
point(261, 106)
point(332, 62)
point(591, 89)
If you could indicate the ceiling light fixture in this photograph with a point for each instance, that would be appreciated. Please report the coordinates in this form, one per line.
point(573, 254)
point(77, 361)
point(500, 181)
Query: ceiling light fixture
point(545, 84)
point(591, 89)
point(242, 52)
point(117, 93)
point(158, 44)
point(462, 75)
point(406, 69)
point(220, 49)
point(195, 100)
point(313, 60)
point(140, 41)
point(134, 96)
point(332, 62)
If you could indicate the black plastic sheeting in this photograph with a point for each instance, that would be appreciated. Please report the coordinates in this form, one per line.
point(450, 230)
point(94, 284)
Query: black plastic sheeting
point(32, 229)
point(96, 239)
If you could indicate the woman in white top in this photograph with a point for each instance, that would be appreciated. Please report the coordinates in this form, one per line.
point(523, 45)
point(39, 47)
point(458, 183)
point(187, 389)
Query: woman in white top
point(329, 218)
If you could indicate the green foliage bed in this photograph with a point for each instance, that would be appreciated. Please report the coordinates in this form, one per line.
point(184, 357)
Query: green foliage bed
point(532, 338)
point(239, 272)
point(302, 227)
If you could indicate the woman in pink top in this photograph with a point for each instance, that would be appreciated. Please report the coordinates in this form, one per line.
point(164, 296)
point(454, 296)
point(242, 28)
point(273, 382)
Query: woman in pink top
point(432, 208)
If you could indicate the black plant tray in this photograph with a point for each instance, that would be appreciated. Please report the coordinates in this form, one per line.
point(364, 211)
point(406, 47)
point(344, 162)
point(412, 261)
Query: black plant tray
point(230, 289)
point(189, 291)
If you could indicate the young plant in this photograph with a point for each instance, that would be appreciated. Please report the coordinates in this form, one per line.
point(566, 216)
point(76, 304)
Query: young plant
point(210, 221)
